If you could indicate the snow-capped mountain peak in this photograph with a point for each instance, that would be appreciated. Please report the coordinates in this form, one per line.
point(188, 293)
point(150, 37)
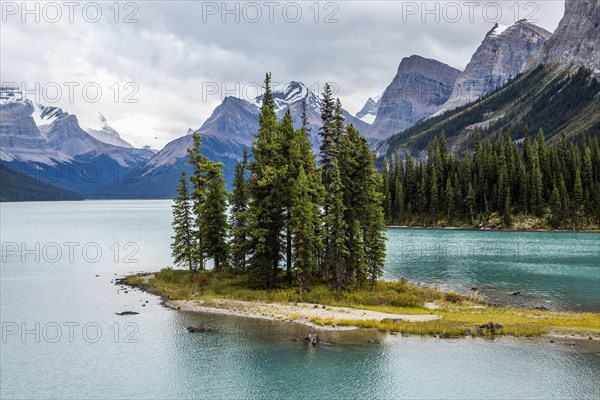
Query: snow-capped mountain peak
point(369, 111)
point(291, 95)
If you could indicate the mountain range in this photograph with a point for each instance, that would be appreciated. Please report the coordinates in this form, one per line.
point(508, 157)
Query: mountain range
point(558, 92)
point(520, 75)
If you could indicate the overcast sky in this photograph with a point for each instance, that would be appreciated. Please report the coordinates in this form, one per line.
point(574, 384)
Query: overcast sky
point(163, 67)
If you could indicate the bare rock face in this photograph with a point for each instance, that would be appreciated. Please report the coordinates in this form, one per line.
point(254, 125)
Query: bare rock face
point(576, 41)
point(501, 56)
point(420, 87)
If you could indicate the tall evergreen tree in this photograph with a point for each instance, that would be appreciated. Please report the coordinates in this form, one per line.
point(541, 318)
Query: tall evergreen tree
point(266, 204)
point(198, 179)
point(240, 220)
point(183, 245)
point(213, 217)
point(336, 230)
point(304, 223)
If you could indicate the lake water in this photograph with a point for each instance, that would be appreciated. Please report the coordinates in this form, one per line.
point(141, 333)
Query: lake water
point(62, 339)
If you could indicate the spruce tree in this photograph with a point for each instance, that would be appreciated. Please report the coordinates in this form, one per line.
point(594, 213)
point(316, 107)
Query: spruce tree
point(433, 197)
point(266, 204)
point(555, 209)
point(289, 171)
point(213, 218)
point(470, 199)
point(577, 198)
point(336, 230)
point(304, 223)
point(240, 220)
point(306, 197)
point(400, 199)
point(183, 245)
point(451, 207)
point(198, 179)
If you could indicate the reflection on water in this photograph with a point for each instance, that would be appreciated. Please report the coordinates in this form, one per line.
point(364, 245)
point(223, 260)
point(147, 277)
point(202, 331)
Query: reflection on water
point(151, 355)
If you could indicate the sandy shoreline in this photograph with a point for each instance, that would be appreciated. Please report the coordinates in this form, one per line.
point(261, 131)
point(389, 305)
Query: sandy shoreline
point(301, 313)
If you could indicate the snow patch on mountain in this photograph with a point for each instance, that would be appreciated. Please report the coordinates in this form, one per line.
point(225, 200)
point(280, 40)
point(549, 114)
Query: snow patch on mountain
point(108, 134)
point(369, 111)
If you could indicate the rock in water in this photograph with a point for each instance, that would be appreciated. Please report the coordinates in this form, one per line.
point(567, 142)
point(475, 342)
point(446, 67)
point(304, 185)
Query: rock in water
point(127, 313)
point(196, 329)
point(312, 339)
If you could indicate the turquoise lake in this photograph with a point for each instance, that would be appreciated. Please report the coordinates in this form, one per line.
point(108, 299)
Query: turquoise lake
point(62, 339)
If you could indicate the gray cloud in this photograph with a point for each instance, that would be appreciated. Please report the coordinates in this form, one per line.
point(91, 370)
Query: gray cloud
point(176, 49)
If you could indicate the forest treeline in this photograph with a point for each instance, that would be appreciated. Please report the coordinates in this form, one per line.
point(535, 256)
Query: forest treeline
point(559, 183)
point(290, 221)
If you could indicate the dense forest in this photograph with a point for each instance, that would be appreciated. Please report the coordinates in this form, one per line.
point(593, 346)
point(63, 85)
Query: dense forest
point(558, 184)
point(16, 186)
point(290, 222)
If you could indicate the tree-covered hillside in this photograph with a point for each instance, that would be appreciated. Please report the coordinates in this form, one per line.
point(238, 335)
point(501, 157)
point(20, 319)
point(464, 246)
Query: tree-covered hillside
point(15, 186)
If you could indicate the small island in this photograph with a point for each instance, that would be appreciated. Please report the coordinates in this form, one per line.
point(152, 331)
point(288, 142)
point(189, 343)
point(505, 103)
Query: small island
point(393, 307)
point(306, 243)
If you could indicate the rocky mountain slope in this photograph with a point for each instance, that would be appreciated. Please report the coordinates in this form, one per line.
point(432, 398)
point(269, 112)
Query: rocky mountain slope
point(418, 90)
point(501, 57)
point(559, 95)
point(576, 41)
point(556, 101)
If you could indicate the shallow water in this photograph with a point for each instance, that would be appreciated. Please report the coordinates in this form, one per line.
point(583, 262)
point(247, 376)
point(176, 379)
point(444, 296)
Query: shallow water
point(549, 269)
point(62, 339)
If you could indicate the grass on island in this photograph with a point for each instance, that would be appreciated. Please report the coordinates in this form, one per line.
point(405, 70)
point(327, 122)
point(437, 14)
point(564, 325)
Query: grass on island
point(458, 313)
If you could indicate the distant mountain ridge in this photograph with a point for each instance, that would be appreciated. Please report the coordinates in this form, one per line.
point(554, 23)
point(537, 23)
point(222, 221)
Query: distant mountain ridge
point(225, 134)
point(48, 144)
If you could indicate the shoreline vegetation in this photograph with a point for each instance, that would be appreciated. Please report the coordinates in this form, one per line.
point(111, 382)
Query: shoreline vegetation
point(392, 307)
point(489, 229)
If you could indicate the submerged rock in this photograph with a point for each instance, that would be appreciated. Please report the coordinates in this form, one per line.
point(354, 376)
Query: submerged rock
point(196, 329)
point(312, 339)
